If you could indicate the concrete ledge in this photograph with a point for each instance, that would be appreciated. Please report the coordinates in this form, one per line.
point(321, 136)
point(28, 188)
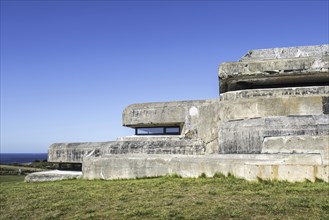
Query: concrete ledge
point(288, 167)
point(52, 175)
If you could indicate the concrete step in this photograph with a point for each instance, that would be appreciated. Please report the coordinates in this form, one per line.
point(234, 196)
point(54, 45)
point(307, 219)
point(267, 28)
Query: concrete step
point(52, 175)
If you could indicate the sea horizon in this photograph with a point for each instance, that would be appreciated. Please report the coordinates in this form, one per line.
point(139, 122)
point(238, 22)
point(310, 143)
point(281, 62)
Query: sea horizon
point(11, 158)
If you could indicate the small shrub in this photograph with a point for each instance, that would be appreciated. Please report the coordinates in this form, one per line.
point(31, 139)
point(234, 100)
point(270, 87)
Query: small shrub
point(174, 175)
point(212, 192)
point(219, 175)
point(203, 175)
point(317, 180)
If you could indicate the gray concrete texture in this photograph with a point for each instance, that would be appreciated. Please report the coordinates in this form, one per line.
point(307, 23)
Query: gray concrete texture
point(157, 113)
point(247, 136)
point(76, 152)
point(302, 144)
point(242, 119)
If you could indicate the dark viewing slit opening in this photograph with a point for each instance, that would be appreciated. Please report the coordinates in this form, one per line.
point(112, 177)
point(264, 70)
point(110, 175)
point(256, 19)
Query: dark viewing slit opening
point(157, 131)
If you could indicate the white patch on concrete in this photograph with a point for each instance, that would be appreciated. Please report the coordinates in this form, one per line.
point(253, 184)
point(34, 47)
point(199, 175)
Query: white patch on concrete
point(318, 64)
point(102, 173)
point(277, 53)
point(91, 153)
point(301, 53)
point(193, 111)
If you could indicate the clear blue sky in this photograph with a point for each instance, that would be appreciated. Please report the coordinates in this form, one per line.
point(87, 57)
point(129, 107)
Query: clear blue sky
point(69, 68)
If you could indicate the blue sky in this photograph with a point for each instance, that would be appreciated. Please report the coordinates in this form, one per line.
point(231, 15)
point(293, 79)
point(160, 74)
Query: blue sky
point(69, 68)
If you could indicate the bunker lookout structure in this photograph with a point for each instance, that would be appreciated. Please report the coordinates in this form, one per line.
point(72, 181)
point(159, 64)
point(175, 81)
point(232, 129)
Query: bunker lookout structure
point(271, 121)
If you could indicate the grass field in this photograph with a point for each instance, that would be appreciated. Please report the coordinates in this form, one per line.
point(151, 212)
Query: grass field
point(163, 198)
point(35, 166)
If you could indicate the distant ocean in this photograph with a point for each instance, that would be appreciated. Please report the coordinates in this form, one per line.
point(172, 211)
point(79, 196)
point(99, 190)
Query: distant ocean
point(21, 158)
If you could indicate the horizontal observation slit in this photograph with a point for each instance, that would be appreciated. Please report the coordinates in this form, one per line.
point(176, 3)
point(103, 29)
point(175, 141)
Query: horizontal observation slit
point(172, 130)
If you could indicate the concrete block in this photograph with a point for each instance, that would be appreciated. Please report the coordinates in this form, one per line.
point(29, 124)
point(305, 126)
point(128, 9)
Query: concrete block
point(247, 136)
point(158, 113)
point(298, 145)
point(52, 175)
point(72, 152)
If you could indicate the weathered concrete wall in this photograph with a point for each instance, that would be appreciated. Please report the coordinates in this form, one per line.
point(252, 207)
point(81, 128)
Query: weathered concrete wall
point(249, 116)
point(202, 120)
point(272, 106)
point(164, 146)
point(298, 145)
point(295, 167)
point(76, 152)
point(71, 152)
point(236, 124)
point(206, 123)
point(247, 136)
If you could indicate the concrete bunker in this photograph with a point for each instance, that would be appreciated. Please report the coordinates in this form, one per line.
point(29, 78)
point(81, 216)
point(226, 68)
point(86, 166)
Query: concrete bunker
point(270, 121)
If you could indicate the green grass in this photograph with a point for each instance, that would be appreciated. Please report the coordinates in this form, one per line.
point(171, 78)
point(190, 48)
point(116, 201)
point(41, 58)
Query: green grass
point(11, 179)
point(164, 198)
point(23, 169)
